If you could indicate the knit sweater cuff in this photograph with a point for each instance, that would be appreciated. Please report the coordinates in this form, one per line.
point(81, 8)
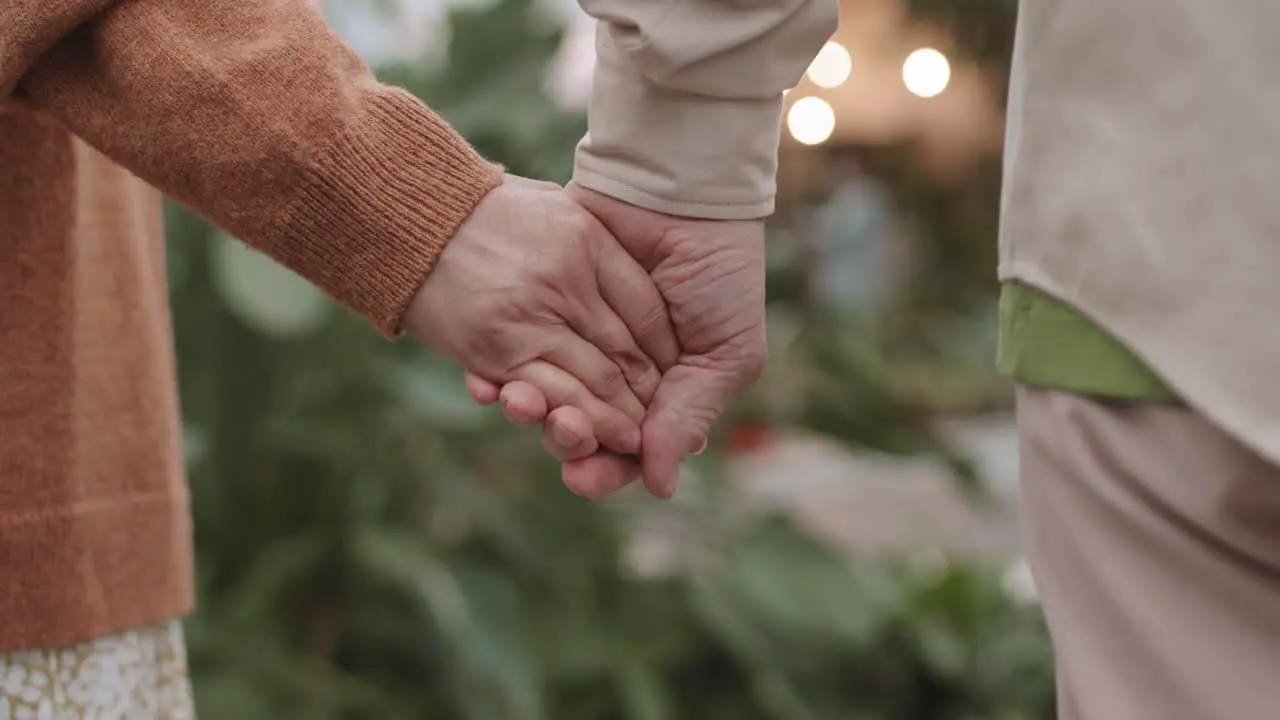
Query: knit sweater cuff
point(374, 210)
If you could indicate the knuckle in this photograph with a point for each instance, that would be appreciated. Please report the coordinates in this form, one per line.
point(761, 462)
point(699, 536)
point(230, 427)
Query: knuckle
point(610, 382)
point(643, 379)
point(753, 365)
point(581, 223)
point(654, 320)
point(611, 427)
point(566, 394)
point(557, 450)
point(613, 340)
point(633, 362)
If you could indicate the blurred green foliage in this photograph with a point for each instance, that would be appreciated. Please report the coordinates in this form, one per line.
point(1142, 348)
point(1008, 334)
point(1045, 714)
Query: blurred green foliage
point(373, 545)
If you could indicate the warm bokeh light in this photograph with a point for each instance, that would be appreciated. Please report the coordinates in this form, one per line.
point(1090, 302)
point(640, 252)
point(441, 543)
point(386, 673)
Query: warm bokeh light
point(831, 67)
point(811, 121)
point(926, 72)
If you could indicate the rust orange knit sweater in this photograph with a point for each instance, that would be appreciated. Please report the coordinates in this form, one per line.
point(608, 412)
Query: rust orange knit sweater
point(255, 115)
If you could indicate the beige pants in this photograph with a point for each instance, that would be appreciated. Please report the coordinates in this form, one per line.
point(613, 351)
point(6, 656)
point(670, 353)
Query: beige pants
point(139, 675)
point(1154, 539)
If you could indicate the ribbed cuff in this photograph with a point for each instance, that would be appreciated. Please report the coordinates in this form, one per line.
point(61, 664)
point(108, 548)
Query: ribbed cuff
point(378, 205)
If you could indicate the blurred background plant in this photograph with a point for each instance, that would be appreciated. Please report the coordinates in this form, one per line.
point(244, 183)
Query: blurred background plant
point(373, 545)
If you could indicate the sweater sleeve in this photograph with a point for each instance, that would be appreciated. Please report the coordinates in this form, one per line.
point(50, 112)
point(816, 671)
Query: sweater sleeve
point(254, 114)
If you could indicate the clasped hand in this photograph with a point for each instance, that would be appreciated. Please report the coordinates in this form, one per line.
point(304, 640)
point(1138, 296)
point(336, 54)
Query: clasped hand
point(623, 331)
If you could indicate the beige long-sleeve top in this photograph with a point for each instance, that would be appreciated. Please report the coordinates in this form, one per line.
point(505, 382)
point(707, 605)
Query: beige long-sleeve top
point(1142, 167)
point(257, 116)
point(686, 106)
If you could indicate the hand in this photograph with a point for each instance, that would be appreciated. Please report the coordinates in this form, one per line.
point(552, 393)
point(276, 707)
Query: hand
point(711, 275)
point(533, 288)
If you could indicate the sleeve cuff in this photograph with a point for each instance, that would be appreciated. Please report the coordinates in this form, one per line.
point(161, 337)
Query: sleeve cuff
point(373, 214)
point(678, 152)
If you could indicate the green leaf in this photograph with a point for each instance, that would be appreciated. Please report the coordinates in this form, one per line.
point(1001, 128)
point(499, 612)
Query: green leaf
point(789, 581)
point(643, 694)
point(495, 677)
point(435, 391)
point(264, 295)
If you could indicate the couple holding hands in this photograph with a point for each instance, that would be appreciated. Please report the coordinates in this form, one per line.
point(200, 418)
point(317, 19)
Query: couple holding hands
point(622, 313)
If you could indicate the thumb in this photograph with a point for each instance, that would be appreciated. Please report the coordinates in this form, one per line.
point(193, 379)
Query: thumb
point(687, 403)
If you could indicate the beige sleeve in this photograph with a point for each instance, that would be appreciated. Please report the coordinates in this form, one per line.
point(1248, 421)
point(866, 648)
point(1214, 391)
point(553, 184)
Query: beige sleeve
point(686, 105)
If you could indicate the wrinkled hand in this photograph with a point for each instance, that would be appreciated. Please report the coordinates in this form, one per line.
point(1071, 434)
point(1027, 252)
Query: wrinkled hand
point(533, 288)
point(711, 275)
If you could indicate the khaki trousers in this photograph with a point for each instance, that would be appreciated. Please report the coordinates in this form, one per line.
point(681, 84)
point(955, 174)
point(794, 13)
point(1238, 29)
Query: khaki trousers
point(1154, 539)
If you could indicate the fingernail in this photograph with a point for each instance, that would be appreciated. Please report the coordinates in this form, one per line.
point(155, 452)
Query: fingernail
point(564, 437)
point(517, 415)
point(702, 447)
point(634, 441)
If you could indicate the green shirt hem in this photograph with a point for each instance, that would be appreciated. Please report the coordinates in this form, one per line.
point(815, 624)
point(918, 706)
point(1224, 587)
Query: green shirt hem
point(1045, 342)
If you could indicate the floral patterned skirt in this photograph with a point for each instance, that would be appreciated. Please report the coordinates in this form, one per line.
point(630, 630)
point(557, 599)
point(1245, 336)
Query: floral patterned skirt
point(140, 675)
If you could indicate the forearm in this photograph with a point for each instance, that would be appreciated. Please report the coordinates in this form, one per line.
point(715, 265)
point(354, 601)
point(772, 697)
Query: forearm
point(686, 105)
point(258, 117)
